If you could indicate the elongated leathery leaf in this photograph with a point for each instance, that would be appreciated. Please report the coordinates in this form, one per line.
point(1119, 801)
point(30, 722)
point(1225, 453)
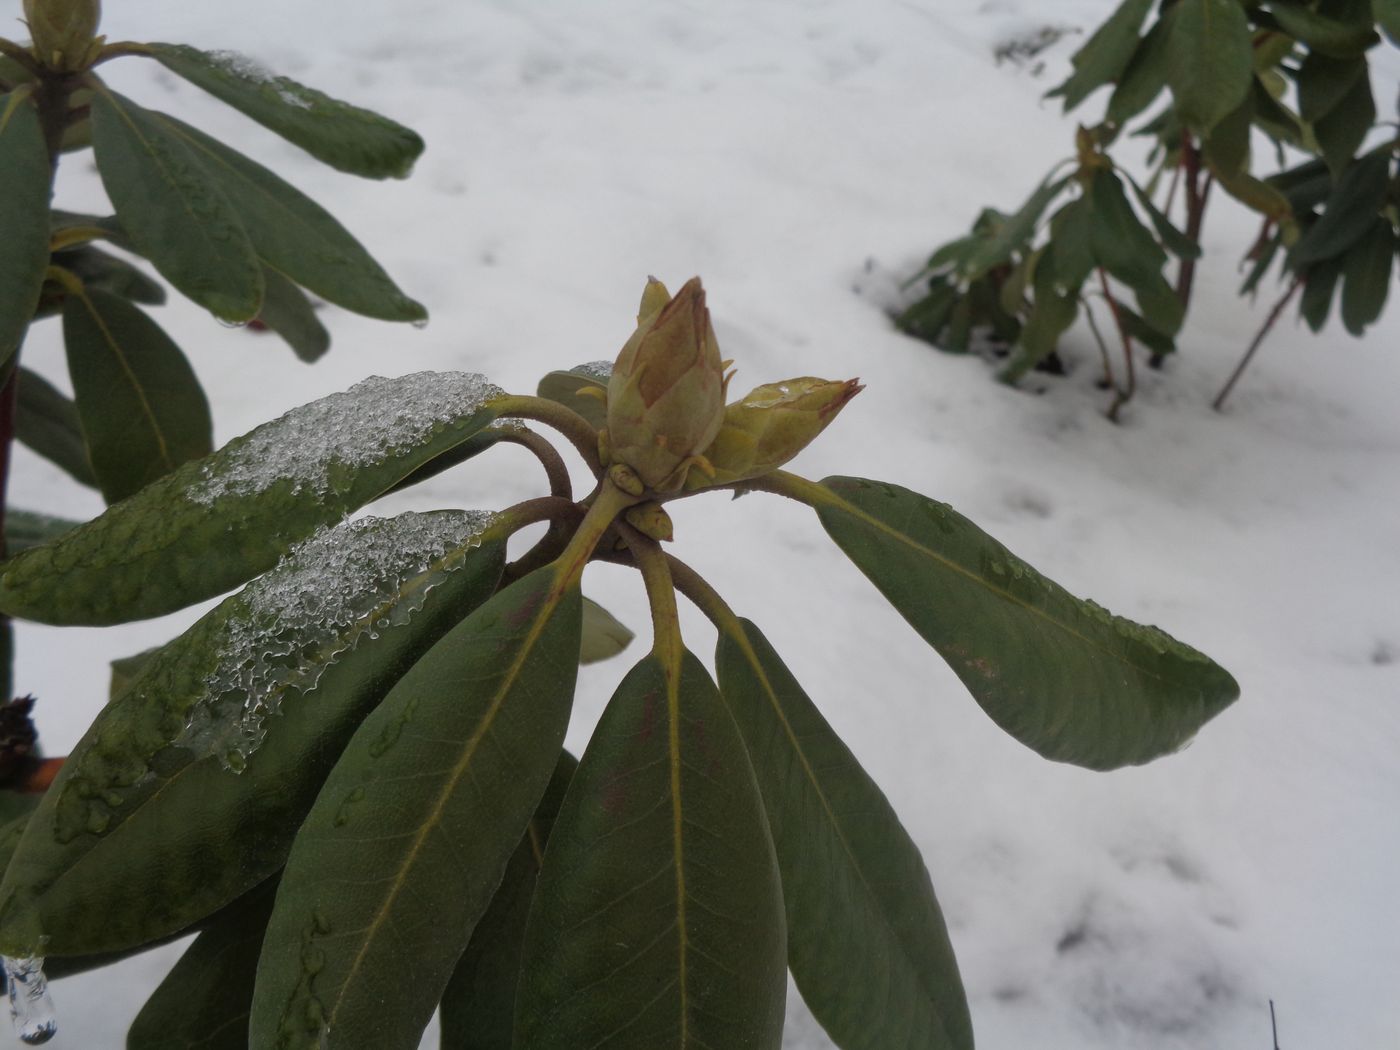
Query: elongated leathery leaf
point(345, 137)
point(657, 922)
point(1107, 53)
point(296, 235)
point(604, 635)
point(867, 943)
point(25, 178)
point(411, 833)
point(317, 641)
point(172, 210)
point(47, 424)
point(1366, 276)
point(1061, 675)
point(203, 1003)
point(289, 313)
point(1145, 76)
point(25, 528)
point(1351, 209)
point(1210, 60)
point(1343, 130)
point(1015, 231)
point(143, 411)
point(217, 522)
point(99, 269)
point(478, 1007)
point(564, 387)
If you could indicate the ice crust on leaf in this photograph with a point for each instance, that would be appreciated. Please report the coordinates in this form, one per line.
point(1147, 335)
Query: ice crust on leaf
point(31, 1009)
point(344, 583)
point(355, 428)
point(594, 369)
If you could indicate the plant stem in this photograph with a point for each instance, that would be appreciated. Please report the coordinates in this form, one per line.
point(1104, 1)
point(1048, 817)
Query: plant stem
point(554, 468)
point(121, 49)
point(1219, 403)
point(661, 594)
point(1108, 379)
point(1197, 194)
point(608, 503)
point(552, 414)
point(20, 54)
point(704, 597)
point(1122, 395)
point(794, 487)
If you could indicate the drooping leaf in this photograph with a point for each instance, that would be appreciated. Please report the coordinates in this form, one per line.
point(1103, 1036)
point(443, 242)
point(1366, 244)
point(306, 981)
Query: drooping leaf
point(275, 679)
point(1351, 209)
point(25, 529)
point(1261, 265)
point(1210, 60)
point(1275, 119)
point(1054, 311)
point(1106, 54)
point(47, 424)
point(1072, 258)
point(1122, 245)
point(289, 313)
point(294, 234)
point(142, 409)
point(1145, 77)
point(1319, 284)
point(1305, 186)
point(658, 917)
point(101, 270)
point(1366, 276)
point(16, 807)
point(604, 635)
point(926, 318)
point(173, 211)
point(478, 1007)
point(25, 180)
point(410, 836)
point(565, 386)
point(1258, 195)
point(1226, 148)
point(126, 669)
point(345, 137)
point(1059, 674)
point(1387, 14)
point(204, 1001)
point(1015, 231)
point(1173, 240)
point(1322, 34)
point(1343, 130)
point(1138, 327)
point(217, 522)
point(1324, 81)
point(867, 943)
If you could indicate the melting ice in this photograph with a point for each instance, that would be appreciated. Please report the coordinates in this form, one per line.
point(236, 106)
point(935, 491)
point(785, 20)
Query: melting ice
point(31, 1008)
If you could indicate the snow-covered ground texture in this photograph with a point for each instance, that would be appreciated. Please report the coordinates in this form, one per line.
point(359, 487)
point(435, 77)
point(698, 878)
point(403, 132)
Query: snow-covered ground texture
point(796, 154)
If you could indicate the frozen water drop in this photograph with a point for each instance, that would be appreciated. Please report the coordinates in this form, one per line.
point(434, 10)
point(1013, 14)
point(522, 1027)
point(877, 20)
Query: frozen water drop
point(31, 1009)
point(232, 324)
point(421, 323)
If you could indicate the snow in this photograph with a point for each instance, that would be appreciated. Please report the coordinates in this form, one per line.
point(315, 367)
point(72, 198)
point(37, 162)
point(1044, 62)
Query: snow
point(802, 156)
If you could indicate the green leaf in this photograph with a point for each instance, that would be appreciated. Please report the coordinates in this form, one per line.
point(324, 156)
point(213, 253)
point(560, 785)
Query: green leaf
point(126, 669)
point(1341, 132)
point(1210, 60)
point(1388, 15)
point(1366, 276)
point(1145, 76)
point(1173, 240)
point(1261, 265)
point(1014, 232)
point(174, 213)
point(408, 840)
point(203, 1003)
point(294, 234)
point(147, 827)
point(565, 386)
point(478, 1007)
point(1059, 674)
point(1071, 260)
point(25, 529)
point(288, 312)
point(1323, 82)
point(142, 409)
point(18, 808)
point(867, 943)
point(1050, 317)
point(1227, 146)
point(345, 137)
point(1138, 327)
point(47, 424)
point(1274, 119)
point(1322, 34)
point(24, 217)
point(604, 636)
point(1121, 244)
point(926, 318)
point(1258, 195)
point(218, 522)
point(658, 918)
point(1319, 282)
point(1106, 54)
point(1351, 209)
point(98, 269)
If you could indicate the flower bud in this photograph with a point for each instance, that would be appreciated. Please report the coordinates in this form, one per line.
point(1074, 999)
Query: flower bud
point(63, 30)
point(770, 425)
point(666, 394)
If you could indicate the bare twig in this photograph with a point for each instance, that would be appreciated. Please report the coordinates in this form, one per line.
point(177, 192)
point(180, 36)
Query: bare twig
point(1273, 1023)
point(1264, 329)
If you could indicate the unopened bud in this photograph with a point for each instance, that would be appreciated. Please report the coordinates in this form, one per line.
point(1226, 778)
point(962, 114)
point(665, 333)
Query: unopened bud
point(63, 30)
point(770, 425)
point(666, 394)
point(650, 519)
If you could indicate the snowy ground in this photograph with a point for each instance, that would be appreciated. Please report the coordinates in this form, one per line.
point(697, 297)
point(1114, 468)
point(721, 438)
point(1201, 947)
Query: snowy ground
point(795, 154)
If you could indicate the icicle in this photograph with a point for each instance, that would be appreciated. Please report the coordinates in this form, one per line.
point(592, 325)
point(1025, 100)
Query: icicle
point(31, 1009)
